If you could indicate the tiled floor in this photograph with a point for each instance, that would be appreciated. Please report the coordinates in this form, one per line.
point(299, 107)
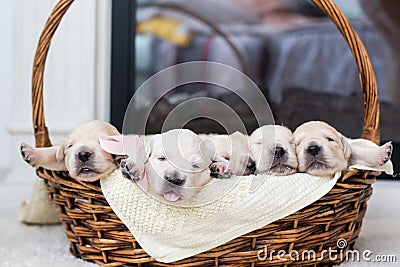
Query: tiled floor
point(20, 244)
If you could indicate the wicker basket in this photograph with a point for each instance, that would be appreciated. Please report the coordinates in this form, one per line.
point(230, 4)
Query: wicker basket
point(96, 234)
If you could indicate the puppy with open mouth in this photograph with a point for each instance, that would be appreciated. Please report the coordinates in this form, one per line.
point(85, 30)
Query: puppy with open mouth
point(272, 147)
point(80, 153)
point(176, 165)
point(323, 151)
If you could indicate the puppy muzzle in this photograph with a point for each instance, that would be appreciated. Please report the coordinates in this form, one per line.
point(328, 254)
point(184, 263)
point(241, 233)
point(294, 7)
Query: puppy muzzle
point(313, 150)
point(279, 152)
point(84, 163)
point(175, 179)
point(173, 186)
point(315, 157)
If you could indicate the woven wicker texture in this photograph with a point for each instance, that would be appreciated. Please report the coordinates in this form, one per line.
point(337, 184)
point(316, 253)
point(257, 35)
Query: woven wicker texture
point(96, 234)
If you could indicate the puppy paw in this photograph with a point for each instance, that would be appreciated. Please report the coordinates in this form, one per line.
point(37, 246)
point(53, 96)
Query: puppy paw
point(129, 170)
point(220, 170)
point(28, 154)
point(385, 153)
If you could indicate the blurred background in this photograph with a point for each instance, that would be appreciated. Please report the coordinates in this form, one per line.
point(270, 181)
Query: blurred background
point(105, 49)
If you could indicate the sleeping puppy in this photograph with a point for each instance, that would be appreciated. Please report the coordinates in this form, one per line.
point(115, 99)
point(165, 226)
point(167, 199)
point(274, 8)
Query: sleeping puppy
point(323, 151)
point(80, 153)
point(177, 164)
point(235, 149)
point(273, 149)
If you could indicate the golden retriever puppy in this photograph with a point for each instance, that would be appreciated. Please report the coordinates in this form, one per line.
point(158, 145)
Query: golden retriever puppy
point(177, 164)
point(272, 147)
point(80, 153)
point(323, 151)
point(235, 149)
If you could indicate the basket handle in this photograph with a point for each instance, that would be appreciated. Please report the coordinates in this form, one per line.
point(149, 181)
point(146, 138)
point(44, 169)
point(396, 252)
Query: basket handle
point(366, 73)
point(41, 133)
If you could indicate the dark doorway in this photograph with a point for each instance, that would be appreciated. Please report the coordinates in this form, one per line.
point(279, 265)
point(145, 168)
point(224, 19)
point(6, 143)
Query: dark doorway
point(122, 58)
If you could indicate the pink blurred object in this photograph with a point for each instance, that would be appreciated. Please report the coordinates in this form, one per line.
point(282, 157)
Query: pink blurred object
point(122, 144)
point(130, 145)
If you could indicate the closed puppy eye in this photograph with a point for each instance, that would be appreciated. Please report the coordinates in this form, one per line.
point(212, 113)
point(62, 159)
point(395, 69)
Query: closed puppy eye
point(227, 158)
point(330, 139)
point(162, 158)
point(69, 146)
point(196, 166)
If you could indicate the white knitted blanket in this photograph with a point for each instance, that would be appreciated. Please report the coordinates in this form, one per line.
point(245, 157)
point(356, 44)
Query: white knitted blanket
point(169, 233)
point(221, 211)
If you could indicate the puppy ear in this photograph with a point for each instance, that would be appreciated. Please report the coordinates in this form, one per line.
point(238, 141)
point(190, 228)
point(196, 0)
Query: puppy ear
point(112, 144)
point(147, 151)
point(346, 147)
point(149, 146)
point(60, 154)
point(207, 148)
point(123, 146)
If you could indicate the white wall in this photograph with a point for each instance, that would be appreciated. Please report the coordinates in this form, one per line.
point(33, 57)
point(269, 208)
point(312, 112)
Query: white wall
point(76, 82)
point(6, 66)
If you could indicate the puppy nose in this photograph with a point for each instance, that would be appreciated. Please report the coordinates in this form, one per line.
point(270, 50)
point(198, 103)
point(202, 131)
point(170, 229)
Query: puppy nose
point(313, 150)
point(174, 179)
point(279, 152)
point(251, 165)
point(84, 156)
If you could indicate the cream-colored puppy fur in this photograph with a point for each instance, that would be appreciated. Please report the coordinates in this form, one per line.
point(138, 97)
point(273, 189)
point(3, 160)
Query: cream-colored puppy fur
point(80, 153)
point(178, 163)
point(322, 150)
point(235, 149)
point(39, 209)
point(272, 147)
